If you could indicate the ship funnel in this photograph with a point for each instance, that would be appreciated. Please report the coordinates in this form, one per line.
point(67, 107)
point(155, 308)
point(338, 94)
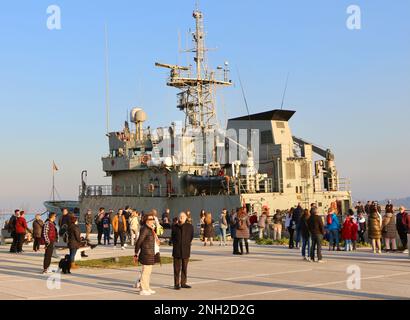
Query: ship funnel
point(138, 116)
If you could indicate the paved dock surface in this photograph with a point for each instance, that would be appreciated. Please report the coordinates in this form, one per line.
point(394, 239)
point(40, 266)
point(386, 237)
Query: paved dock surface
point(268, 273)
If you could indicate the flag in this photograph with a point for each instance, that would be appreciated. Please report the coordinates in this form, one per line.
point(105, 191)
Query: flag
point(55, 168)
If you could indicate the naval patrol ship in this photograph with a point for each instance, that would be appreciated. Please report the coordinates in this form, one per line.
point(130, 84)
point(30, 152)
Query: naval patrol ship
point(195, 164)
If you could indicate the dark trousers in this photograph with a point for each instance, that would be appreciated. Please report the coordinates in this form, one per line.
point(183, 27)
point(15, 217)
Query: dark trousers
point(48, 255)
point(361, 236)
point(121, 235)
point(235, 245)
point(316, 245)
point(180, 271)
point(13, 247)
point(306, 245)
point(100, 231)
point(298, 237)
point(291, 232)
point(36, 244)
point(20, 241)
point(106, 236)
point(334, 239)
point(403, 239)
point(241, 241)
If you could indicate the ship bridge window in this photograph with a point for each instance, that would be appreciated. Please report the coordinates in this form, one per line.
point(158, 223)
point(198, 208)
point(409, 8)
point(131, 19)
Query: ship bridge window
point(266, 137)
point(280, 125)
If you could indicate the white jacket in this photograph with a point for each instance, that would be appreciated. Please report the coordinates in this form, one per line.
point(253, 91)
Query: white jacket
point(134, 224)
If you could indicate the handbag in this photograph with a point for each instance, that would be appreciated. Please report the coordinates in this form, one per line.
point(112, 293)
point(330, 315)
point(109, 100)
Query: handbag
point(160, 230)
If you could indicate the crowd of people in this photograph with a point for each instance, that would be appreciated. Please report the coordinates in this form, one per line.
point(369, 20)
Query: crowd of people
point(305, 229)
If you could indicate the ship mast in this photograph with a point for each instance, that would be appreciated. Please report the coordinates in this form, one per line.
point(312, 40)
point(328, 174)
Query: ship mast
point(197, 96)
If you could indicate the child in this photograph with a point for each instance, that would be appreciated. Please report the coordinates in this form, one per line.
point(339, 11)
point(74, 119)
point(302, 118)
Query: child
point(347, 233)
point(355, 231)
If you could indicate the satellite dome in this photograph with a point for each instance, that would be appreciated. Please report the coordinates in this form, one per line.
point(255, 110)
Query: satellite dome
point(138, 115)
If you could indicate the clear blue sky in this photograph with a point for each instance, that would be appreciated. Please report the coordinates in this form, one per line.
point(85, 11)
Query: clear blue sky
point(351, 89)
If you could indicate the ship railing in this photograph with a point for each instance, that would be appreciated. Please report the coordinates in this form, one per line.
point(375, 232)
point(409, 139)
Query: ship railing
point(265, 186)
point(123, 191)
point(341, 184)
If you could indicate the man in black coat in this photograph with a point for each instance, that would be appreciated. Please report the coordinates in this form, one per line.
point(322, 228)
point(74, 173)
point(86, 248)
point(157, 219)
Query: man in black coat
point(317, 230)
point(181, 238)
point(297, 214)
point(12, 229)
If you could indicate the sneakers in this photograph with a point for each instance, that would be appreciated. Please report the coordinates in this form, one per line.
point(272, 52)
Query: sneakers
point(320, 261)
point(406, 251)
point(48, 271)
point(151, 291)
point(122, 248)
point(145, 293)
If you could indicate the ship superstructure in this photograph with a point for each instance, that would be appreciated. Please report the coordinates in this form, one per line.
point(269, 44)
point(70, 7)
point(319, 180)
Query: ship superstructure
point(195, 164)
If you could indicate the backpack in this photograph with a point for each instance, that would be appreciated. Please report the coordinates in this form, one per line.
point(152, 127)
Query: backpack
point(329, 219)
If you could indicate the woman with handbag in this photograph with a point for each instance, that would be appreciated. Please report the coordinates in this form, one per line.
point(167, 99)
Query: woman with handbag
point(147, 253)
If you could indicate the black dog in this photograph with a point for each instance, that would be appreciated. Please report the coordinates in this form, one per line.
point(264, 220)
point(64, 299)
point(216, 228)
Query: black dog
point(65, 264)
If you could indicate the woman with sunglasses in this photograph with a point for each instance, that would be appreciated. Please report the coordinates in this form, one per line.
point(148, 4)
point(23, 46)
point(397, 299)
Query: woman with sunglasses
point(147, 253)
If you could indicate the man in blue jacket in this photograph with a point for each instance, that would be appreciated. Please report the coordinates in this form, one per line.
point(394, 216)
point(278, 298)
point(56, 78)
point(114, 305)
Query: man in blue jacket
point(333, 227)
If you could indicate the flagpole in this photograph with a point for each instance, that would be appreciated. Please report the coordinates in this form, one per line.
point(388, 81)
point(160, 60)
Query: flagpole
point(53, 182)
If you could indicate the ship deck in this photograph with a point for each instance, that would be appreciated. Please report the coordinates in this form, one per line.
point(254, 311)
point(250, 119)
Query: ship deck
point(268, 273)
